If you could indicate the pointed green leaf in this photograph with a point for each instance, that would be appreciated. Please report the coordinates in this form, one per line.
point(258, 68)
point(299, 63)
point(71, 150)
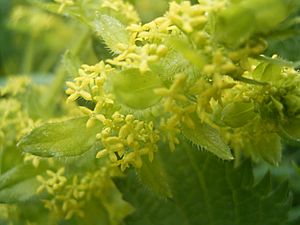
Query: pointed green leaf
point(293, 128)
point(67, 138)
point(206, 191)
point(19, 173)
point(241, 17)
point(71, 63)
point(207, 137)
point(112, 200)
point(19, 184)
point(192, 55)
point(272, 73)
point(268, 13)
point(264, 186)
point(269, 147)
point(259, 70)
point(238, 114)
point(112, 31)
point(154, 176)
point(20, 192)
point(136, 90)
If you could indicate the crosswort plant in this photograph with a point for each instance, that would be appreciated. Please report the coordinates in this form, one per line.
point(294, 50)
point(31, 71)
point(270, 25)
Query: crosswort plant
point(151, 119)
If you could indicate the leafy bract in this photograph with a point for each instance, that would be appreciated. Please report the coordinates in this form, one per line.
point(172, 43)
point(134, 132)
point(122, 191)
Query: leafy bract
point(114, 204)
point(249, 17)
point(112, 31)
point(204, 135)
point(136, 90)
point(265, 145)
point(154, 176)
point(192, 55)
point(293, 128)
point(205, 191)
point(269, 147)
point(19, 183)
point(20, 192)
point(237, 114)
point(67, 138)
point(241, 17)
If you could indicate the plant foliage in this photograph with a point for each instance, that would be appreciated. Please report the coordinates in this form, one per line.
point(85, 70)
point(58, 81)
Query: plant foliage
point(150, 118)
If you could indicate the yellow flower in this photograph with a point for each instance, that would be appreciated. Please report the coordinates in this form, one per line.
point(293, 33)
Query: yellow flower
point(54, 183)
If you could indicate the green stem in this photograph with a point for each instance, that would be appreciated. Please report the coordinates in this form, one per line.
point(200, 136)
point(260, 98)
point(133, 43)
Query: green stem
point(28, 56)
point(250, 81)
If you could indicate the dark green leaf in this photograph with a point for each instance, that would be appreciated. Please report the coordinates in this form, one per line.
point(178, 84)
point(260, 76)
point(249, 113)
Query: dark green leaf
point(154, 176)
point(207, 191)
point(268, 146)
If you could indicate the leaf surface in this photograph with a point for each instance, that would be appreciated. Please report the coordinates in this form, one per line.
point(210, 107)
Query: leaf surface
point(67, 138)
point(136, 90)
point(19, 184)
point(112, 31)
point(207, 137)
point(207, 191)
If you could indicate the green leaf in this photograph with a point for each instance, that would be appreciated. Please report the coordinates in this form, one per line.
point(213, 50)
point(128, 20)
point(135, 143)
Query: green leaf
point(268, 72)
point(268, 146)
point(113, 202)
point(207, 137)
point(71, 64)
point(238, 114)
point(136, 90)
point(19, 184)
point(272, 73)
point(154, 176)
point(291, 129)
point(67, 138)
point(268, 13)
point(259, 70)
point(192, 55)
point(207, 191)
point(112, 31)
point(292, 102)
point(287, 48)
point(18, 173)
point(278, 61)
point(20, 192)
point(241, 17)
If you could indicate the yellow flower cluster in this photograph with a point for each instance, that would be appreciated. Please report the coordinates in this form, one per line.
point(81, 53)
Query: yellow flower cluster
point(123, 8)
point(194, 69)
point(188, 17)
point(69, 196)
point(14, 122)
point(89, 83)
point(54, 183)
point(126, 140)
point(138, 57)
point(179, 108)
point(155, 31)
